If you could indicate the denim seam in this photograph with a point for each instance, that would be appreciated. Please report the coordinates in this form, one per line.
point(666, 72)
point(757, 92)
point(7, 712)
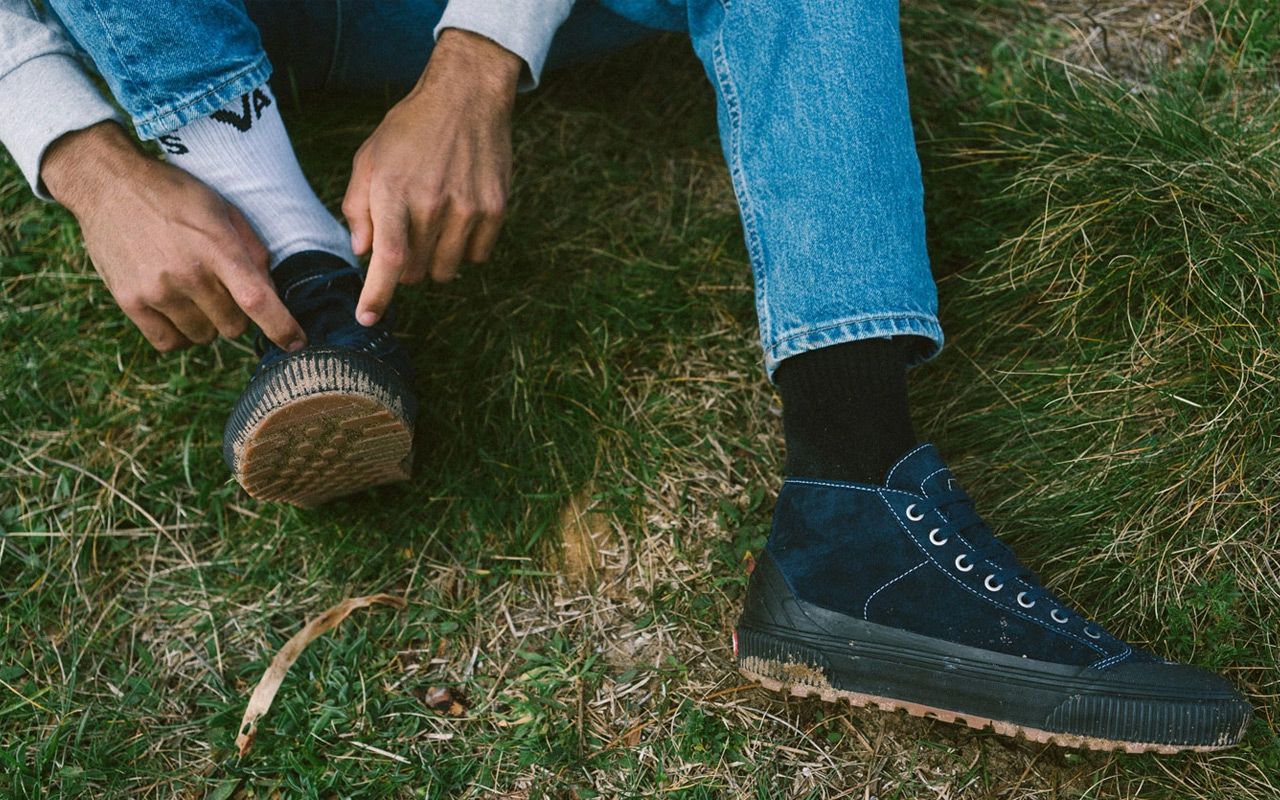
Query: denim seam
point(155, 120)
point(125, 76)
point(962, 585)
point(746, 208)
point(866, 607)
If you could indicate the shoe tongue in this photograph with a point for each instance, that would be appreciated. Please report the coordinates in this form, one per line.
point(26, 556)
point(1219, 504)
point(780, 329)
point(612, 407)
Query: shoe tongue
point(921, 472)
point(298, 272)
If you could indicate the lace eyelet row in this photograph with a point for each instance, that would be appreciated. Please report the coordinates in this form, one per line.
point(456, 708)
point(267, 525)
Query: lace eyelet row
point(963, 565)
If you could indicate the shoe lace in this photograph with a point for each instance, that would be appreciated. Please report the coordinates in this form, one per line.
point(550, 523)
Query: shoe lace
point(308, 298)
point(989, 552)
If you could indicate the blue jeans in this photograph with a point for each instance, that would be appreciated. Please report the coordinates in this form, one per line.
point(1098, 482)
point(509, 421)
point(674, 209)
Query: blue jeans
point(812, 106)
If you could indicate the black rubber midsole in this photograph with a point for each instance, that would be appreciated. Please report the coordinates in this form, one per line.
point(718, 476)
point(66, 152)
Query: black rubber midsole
point(1146, 703)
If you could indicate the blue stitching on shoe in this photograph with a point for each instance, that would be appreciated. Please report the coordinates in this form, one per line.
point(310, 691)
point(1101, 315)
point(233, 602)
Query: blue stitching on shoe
point(866, 613)
point(961, 583)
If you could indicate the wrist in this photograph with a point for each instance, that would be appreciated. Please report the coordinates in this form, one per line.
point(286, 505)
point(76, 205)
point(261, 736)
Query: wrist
point(478, 62)
point(80, 165)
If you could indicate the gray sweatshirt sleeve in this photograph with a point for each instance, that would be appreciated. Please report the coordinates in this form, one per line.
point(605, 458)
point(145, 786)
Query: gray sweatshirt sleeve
point(525, 27)
point(44, 90)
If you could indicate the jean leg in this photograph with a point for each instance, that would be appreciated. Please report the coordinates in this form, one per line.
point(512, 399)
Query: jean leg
point(817, 133)
point(168, 61)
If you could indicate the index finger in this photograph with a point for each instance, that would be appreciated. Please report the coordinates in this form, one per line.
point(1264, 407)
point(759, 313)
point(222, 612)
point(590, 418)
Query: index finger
point(391, 256)
point(252, 290)
point(248, 280)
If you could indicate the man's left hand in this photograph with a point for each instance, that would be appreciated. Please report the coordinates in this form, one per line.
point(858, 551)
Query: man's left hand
point(429, 188)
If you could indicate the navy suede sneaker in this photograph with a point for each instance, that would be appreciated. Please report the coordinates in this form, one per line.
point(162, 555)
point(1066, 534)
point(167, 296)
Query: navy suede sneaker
point(334, 417)
point(901, 596)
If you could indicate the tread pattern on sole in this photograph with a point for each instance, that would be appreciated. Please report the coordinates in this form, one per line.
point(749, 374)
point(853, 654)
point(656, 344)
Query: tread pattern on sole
point(319, 426)
point(803, 672)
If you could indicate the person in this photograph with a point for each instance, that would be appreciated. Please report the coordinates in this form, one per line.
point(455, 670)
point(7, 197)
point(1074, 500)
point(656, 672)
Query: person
point(880, 583)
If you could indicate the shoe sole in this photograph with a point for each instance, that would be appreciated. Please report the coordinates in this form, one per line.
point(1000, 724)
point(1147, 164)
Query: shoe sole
point(788, 645)
point(803, 678)
point(318, 426)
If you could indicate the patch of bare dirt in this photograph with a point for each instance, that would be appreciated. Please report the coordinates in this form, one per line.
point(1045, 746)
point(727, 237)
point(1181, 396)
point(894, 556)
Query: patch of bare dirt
point(1127, 39)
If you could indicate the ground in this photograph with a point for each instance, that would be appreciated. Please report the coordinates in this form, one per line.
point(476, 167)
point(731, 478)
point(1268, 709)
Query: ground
point(599, 451)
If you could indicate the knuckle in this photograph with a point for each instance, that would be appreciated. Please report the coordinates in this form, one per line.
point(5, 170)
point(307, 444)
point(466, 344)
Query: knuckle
point(236, 327)
point(184, 275)
point(493, 204)
point(132, 305)
point(466, 209)
point(395, 253)
point(251, 298)
point(431, 204)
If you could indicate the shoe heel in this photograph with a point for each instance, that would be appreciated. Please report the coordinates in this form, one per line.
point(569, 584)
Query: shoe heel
point(781, 665)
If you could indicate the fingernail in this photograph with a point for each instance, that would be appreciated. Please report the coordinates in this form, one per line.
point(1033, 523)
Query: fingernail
point(297, 344)
point(366, 318)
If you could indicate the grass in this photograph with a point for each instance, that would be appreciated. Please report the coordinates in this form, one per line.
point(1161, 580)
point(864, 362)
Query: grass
point(599, 451)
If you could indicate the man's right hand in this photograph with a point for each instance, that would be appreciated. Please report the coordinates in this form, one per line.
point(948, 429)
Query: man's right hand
point(182, 262)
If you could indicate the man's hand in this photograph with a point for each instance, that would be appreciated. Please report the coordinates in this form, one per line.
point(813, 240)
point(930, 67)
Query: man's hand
point(180, 261)
point(429, 187)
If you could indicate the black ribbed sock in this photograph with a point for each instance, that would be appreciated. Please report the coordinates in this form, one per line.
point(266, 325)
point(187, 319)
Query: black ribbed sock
point(844, 410)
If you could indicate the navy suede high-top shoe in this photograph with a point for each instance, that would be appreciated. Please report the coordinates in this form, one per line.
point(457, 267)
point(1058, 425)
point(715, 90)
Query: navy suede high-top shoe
point(334, 417)
point(901, 596)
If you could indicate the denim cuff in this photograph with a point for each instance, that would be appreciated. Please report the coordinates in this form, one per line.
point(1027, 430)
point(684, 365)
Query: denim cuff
point(923, 329)
point(168, 118)
point(525, 27)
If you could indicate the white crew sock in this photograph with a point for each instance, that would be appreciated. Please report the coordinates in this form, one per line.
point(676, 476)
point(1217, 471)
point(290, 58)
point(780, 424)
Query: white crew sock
point(243, 153)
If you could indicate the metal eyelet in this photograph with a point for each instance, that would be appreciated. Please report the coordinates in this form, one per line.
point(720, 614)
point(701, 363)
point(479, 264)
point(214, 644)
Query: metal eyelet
point(1022, 602)
point(1091, 634)
point(960, 566)
point(933, 534)
point(991, 588)
point(1058, 616)
point(911, 516)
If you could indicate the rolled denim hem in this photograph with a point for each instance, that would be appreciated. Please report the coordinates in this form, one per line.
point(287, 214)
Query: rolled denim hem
point(924, 327)
point(171, 116)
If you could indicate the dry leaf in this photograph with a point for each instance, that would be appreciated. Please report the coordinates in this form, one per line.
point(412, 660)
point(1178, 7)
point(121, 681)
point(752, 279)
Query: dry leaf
point(444, 700)
point(632, 737)
point(585, 533)
point(266, 689)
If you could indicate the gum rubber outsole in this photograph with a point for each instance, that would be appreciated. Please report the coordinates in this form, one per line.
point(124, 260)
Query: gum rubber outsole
point(802, 671)
point(320, 425)
point(760, 670)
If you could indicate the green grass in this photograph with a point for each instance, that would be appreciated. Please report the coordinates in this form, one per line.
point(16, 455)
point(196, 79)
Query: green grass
point(1109, 286)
